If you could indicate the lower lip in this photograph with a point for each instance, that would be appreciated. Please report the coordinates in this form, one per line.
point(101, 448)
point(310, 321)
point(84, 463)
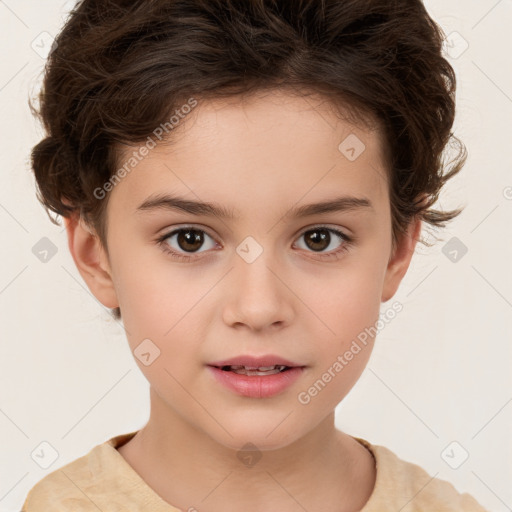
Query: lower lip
point(257, 386)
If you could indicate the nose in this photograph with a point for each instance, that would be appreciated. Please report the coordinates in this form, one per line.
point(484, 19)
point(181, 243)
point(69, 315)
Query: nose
point(258, 296)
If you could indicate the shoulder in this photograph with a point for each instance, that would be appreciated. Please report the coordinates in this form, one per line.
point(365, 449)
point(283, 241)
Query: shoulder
point(62, 490)
point(408, 487)
point(86, 483)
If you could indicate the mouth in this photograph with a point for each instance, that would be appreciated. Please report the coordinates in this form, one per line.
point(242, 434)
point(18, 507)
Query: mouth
point(256, 377)
point(254, 370)
point(268, 362)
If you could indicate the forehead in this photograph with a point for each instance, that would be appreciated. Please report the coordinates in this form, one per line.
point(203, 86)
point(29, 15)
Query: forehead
point(274, 147)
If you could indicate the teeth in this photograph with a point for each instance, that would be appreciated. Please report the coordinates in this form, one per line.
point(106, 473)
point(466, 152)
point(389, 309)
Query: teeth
point(254, 370)
point(261, 368)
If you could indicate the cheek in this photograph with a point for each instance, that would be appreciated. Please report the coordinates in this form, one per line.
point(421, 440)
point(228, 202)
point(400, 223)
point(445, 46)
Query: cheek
point(158, 302)
point(161, 315)
point(346, 303)
point(350, 307)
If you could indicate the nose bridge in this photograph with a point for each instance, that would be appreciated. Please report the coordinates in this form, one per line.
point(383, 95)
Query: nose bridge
point(256, 265)
point(258, 296)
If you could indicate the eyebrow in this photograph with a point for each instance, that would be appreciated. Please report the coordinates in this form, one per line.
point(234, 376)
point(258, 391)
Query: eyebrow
point(175, 203)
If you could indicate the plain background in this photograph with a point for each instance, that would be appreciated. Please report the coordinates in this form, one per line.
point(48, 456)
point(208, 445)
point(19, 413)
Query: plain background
point(440, 371)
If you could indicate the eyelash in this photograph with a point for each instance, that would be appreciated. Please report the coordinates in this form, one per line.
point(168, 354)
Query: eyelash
point(347, 242)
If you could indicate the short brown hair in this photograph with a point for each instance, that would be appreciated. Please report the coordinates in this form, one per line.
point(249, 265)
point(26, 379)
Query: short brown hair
point(120, 68)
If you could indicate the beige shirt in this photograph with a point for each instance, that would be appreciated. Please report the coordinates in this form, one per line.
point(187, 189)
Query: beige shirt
point(103, 480)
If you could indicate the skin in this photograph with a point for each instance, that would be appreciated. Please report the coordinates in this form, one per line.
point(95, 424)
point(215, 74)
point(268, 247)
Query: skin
point(260, 157)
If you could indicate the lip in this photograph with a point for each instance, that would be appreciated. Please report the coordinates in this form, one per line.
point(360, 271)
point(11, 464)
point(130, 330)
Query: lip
point(257, 386)
point(256, 361)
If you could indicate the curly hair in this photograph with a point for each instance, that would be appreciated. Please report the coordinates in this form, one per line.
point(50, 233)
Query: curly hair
point(119, 68)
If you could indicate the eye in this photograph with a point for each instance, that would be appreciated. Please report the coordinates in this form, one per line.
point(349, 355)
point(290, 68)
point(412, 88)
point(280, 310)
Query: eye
point(319, 238)
point(188, 239)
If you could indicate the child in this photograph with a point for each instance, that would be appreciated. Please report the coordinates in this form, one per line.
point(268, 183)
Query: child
point(296, 146)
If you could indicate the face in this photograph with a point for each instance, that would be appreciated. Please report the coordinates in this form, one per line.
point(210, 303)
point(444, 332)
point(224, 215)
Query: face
point(263, 280)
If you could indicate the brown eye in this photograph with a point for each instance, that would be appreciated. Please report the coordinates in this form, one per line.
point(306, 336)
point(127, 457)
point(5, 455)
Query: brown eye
point(320, 238)
point(190, 239)
point(317, 239)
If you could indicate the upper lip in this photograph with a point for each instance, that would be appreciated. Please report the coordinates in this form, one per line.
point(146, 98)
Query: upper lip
point(255, 361)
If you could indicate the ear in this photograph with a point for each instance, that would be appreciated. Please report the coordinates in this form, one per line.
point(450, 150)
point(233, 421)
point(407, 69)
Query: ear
point(91, 260)
point(400, 260)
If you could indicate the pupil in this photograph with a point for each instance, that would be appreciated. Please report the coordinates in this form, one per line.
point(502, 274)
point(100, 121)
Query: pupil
point(318, 237)
point(191, 237)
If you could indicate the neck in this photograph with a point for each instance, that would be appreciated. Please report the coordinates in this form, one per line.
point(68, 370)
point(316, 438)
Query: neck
point(322, 470)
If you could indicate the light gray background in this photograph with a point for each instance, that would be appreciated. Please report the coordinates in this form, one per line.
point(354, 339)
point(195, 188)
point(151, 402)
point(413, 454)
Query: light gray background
point(440, 371)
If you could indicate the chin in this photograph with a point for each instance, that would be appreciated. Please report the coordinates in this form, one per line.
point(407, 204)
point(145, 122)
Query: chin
point(269, 434)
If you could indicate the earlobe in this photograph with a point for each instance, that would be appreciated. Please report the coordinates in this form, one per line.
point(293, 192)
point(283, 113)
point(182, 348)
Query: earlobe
point(400, 260)
point(91, 261)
